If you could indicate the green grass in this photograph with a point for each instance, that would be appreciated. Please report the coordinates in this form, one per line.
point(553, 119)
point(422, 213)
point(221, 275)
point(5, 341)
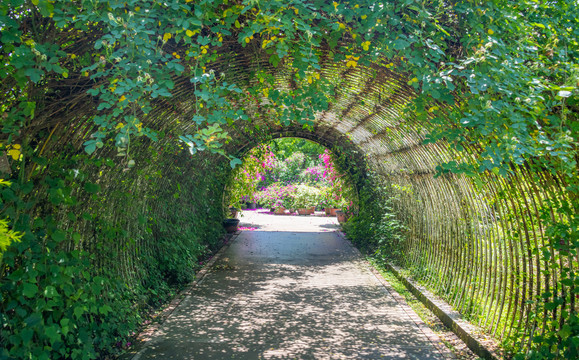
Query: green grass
point(454, 344)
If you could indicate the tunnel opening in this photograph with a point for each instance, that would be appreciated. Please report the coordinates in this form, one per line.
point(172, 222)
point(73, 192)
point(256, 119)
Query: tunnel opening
point(291, 174)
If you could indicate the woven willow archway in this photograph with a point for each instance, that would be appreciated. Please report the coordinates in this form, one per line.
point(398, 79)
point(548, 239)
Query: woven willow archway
point(476, 241)
point(474, 244)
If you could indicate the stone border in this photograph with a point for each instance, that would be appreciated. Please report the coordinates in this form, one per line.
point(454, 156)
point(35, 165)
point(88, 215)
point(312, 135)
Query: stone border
point(451, 318)
point(147, 333)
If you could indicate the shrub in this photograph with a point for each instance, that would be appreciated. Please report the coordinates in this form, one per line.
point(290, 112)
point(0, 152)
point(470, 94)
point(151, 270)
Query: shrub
point(376, 229)
point(57, 309)
point(313, 176)
point(305, 197)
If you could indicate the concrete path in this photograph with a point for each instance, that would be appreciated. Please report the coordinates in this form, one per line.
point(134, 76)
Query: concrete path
point(291, 289)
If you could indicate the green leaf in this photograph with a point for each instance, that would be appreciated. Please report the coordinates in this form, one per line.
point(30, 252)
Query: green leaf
point(58, 235)
point(71, 216)
point(34, 74)
point(234, 162)
point(50, 292)
point(79, 311)
point(567, 282)
point(28, 108)
point(400, 44)
point(274, 60)
point(52, 333)
point(105, 309)
point(565, 332)
point(90, 146)
point(33, 320)
point(92, 188)
point(29, 290)
point(26, 335)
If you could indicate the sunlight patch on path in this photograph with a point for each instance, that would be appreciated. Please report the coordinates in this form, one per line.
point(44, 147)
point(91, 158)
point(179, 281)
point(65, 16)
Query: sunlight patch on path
point(263, 220)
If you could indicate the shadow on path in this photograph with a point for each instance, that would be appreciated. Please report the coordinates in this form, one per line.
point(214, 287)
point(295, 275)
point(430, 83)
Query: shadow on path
point(289, 295)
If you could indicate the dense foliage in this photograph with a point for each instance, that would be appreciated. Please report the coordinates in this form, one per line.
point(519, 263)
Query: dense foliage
point(66, 296)
point(497, 80)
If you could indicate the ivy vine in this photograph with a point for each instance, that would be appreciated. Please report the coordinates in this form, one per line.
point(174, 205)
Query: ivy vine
point(500, 77)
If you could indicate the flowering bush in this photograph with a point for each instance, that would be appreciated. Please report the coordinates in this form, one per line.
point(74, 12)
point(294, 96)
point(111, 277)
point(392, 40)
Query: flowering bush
point(329, 173)
point(325, 198)
point(269, 196)
point(246, 178)
point(287, 171)
point(278, 204)
point(313, 175)
point(338, 186)
point(290, 178)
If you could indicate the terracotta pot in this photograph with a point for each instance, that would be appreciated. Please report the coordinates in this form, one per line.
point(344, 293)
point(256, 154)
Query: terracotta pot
point(341, 216)
point(279, 211)
point(303, 211)
point(333, 211)
point(231, 225)
point(327, 210)
point(312, 210)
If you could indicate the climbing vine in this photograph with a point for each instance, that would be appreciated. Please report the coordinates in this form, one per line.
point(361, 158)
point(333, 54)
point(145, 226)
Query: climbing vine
point(82, 81)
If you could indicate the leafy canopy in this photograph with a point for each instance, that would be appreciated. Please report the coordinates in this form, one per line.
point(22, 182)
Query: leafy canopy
point(499, 77)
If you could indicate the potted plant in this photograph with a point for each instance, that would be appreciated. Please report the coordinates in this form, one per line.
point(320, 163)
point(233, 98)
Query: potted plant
point(334, 204)
point(341, 216)
point(305, 198)
point(233, 211)
point(279, 208)
point(231, 225)
point(324, 199)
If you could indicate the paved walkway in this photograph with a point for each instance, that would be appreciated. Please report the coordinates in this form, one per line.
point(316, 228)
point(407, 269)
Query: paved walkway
point(291, 289)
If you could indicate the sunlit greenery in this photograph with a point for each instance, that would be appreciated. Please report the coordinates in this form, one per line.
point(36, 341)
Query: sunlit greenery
point(497, 80)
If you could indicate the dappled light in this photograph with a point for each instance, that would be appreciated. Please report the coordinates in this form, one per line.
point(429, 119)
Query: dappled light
point(289, 295)
point(125, 123)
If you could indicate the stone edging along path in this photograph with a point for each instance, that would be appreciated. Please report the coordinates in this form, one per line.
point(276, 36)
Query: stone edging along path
point(451, 318)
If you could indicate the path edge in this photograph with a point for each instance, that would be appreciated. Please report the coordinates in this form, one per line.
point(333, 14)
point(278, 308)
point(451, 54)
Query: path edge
point(449, 317)
point(146, 335)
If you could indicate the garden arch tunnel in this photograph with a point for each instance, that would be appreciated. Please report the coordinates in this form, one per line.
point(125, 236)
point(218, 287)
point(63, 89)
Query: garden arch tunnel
point(463, 236)
point(483, 242)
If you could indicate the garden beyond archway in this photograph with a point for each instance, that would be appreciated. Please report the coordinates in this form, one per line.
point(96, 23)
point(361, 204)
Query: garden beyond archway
point(122, 120)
